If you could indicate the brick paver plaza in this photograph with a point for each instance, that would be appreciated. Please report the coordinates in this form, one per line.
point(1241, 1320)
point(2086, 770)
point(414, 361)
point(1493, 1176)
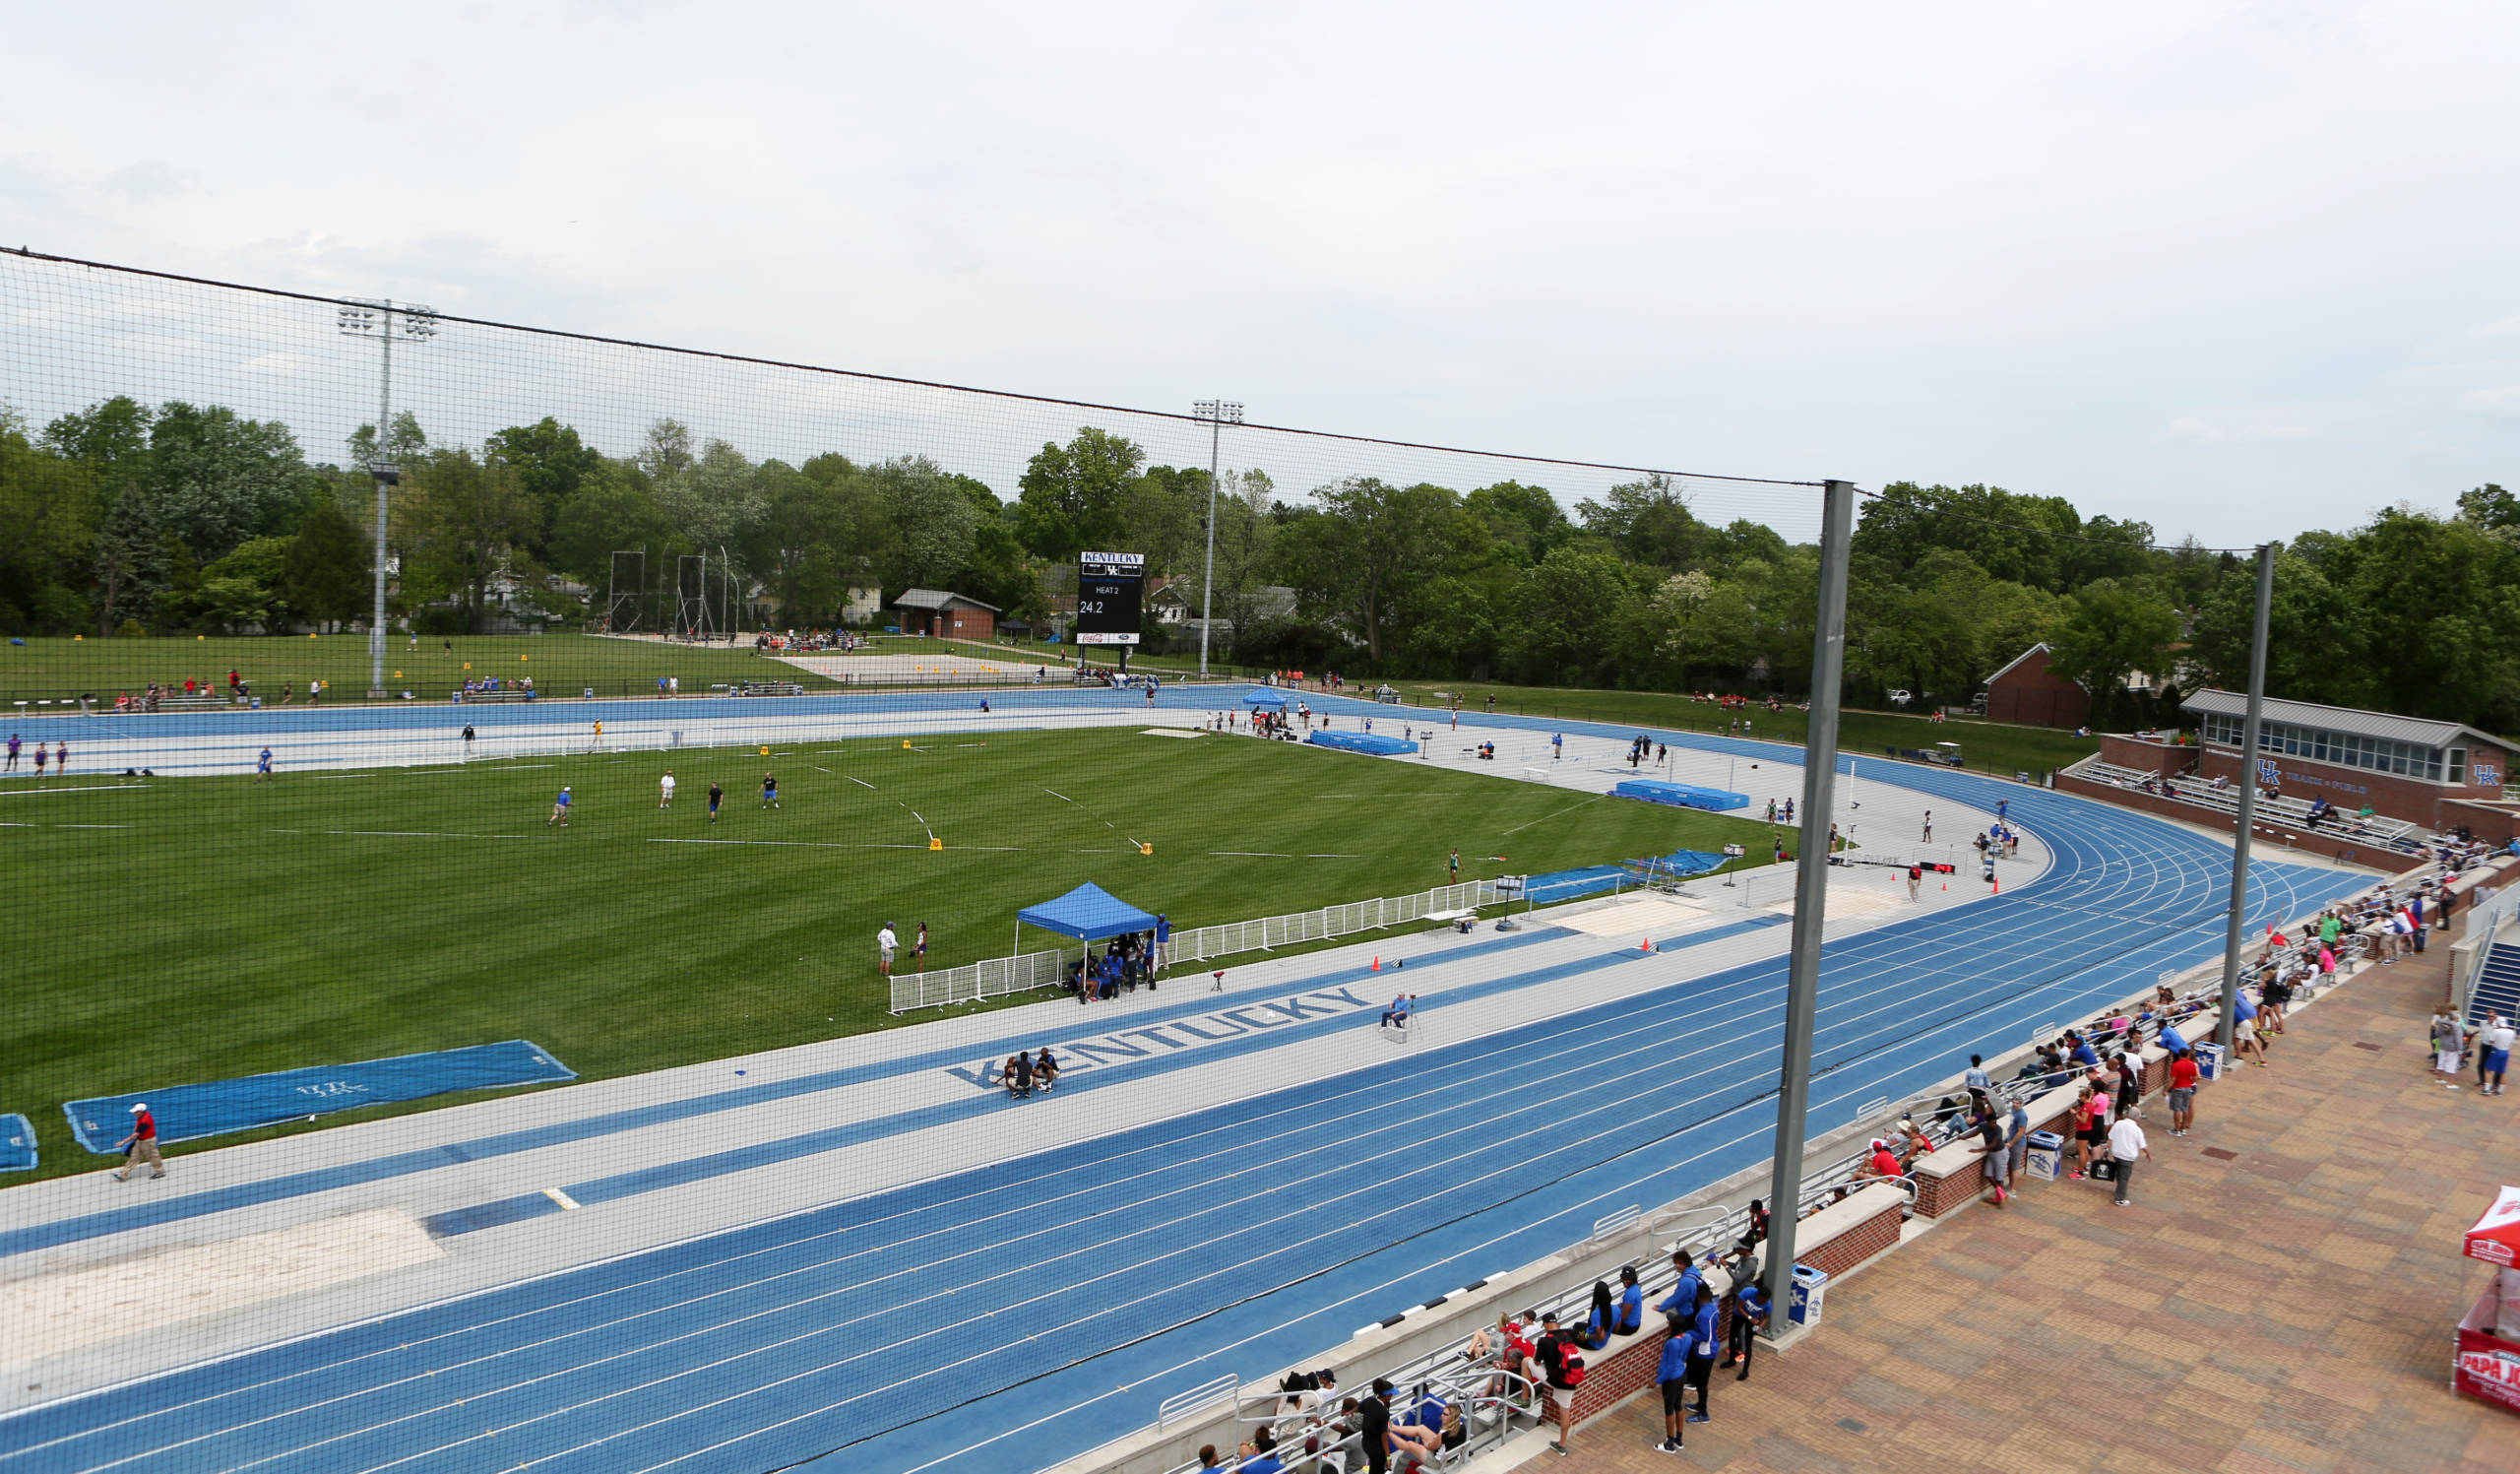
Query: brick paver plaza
point(2280, 1298)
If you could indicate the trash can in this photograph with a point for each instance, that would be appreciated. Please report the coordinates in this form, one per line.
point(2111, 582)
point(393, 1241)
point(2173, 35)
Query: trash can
point(2209, 1061)
point(2047, 1156)
point(1809, 1285)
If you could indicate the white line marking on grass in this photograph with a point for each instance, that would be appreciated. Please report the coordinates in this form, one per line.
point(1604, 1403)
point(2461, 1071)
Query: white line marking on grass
point(414, 834)
point(817, 767)
point(91, 826)
point(1334, 857)
point(1569, 808)
point(341, 775)
point(862, 782)
point(1055, 794)
point(93, 788)
point(1252, 854)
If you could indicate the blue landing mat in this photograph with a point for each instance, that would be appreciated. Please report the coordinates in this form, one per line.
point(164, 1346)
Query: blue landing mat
point(16, 1145)
point(1684, 795)
point(1362, 742)
point(187, 1113)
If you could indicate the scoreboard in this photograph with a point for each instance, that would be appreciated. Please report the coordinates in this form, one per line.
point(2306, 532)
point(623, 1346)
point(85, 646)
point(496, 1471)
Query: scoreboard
point(1110, 590)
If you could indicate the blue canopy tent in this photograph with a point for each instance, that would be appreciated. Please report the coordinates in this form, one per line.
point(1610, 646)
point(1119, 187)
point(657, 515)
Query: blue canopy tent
point(1088, 913)
point(1261, 699)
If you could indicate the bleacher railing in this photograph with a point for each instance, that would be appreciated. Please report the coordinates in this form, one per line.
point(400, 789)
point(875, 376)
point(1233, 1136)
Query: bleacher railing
point(997, 976)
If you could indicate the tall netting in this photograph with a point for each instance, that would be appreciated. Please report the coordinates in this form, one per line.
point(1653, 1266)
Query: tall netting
point(716, 706)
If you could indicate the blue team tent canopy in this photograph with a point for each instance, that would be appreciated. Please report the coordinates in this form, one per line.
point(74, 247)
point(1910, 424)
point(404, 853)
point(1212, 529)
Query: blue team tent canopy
point(1088, 913)
point(1261, 699)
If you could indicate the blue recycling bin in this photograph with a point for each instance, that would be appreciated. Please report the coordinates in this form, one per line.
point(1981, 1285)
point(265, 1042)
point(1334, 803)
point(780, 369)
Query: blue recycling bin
point(2209, 1061)
point(1810, 1285)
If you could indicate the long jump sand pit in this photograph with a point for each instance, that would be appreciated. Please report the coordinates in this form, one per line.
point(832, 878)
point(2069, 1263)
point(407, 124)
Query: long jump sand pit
point(64, 1310)
point(867, 667)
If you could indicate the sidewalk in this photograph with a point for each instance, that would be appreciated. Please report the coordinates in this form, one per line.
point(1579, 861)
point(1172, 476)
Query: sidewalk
point(2279, 1299)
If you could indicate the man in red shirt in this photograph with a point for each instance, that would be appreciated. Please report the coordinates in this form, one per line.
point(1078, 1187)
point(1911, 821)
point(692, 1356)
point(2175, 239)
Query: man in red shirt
point(1884, 1163)
point(142, 1144)
point(2182, 1092)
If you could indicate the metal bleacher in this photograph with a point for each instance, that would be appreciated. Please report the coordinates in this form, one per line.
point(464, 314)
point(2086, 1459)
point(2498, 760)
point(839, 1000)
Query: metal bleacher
point(2378, 830)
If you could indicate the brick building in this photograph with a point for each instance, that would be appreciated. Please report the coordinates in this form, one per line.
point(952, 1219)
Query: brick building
point(2438, 774)
point(953, 616)
point(2032, 691)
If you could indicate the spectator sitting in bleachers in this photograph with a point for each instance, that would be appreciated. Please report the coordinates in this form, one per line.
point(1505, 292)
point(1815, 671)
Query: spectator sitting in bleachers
point(1631, 1302)
point(1602, 1321)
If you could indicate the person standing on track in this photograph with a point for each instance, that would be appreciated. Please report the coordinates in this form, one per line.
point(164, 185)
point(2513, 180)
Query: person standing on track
point(467, 742)
point(770, 791)
point(1915, 878)
point(141, 1145)
point(1557, 745)
point(597, 740)
point(41, 757)
point(665, 789)
point(61, 759)
point(13, 754)
point(1928, 826)
point(559, 809)
point(717, 795)
point(263, 767)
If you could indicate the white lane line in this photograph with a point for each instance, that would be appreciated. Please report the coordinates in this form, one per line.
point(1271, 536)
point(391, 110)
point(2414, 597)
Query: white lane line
point(92, 788)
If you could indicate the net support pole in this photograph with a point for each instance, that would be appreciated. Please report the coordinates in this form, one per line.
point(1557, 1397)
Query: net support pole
point(1208, 579)
point(383, 454)
point(1810, 885)
point(2226, 1022)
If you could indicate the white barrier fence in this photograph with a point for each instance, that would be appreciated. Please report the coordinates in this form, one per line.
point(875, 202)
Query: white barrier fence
point(997, 976)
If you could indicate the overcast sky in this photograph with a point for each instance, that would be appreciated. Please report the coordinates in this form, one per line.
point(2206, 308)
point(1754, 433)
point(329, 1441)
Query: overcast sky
point(2235, 269)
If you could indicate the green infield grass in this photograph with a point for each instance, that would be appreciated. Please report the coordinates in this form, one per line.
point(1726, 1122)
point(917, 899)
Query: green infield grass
point(218, 927)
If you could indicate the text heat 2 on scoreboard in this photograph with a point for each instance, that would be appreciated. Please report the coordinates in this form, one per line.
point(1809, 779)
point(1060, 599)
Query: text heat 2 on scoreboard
point(1110, 588)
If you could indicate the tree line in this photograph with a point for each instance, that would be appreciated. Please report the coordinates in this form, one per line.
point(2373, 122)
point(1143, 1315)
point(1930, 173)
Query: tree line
point(127, 518)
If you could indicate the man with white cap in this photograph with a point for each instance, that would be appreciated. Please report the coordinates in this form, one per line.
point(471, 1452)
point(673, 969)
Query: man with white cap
point(141, 1145)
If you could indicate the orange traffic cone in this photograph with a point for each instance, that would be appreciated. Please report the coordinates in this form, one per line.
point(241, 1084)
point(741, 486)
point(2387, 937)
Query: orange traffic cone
point(1999, 886)
point(1647, 945)
point(1377, 967)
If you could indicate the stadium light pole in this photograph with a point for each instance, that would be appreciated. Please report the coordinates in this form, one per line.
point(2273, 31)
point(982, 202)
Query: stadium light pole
point(1218, 413)
point(373, 318)
point(1810, 885)
point(2246, 818)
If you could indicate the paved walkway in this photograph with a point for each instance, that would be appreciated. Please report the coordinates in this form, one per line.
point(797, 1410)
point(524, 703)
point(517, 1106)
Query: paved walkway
point(2279, 1299)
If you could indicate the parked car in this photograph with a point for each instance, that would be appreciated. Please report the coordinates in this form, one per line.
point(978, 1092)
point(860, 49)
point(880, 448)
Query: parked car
point(1899, 697)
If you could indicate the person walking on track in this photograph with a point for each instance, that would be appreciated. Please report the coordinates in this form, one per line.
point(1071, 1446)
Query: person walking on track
point(141, 1145)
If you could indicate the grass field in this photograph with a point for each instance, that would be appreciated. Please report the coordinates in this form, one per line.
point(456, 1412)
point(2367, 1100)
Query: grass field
point(1988, 746)
point(49, 668)
point(217, 927)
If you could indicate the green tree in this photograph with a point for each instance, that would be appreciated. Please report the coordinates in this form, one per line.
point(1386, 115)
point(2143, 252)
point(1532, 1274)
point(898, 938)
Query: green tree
point(327, 575)
point(464, 515)
point(1526, 521)
point(1570, 615)
point(48, 511)
point(1648, 522)
point(551, 463)
point(218, 479)
point(2111, 629)
point(1072, 495)
point(1366, 550)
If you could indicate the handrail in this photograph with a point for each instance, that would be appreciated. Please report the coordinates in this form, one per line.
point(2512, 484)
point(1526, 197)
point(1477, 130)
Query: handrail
point(1205, 1393)
point(1611, 1222)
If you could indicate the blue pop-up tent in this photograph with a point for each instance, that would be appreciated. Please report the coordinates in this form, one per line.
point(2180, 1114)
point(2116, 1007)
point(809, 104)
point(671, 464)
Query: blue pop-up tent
point(1088, 913)
point(1261, 699)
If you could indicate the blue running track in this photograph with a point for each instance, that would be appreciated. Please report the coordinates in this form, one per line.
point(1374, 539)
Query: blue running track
point(1014, 1315)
